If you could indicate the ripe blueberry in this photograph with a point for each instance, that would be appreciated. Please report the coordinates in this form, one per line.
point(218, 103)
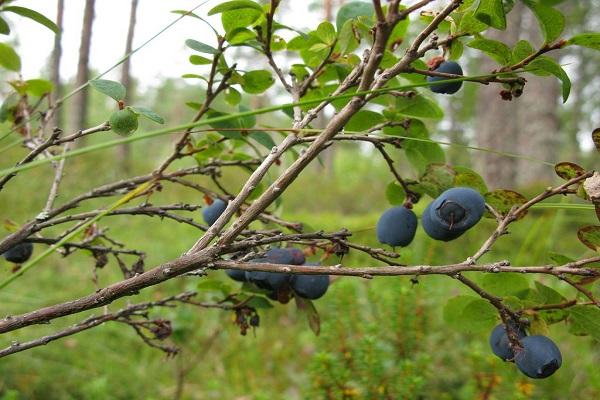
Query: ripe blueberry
point(310, 286)
point(19, 253)
point(448, 67)
point(500, 344)
point(539, 358)
point(397, 226)
point(213, 212)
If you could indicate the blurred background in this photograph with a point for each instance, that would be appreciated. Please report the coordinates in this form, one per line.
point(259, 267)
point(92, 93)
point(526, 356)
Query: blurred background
point(384, 338)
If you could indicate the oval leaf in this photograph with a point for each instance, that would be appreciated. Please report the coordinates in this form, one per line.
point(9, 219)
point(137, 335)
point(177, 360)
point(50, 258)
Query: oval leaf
point(110, 88)
point(33, 15)
point(200, 47)
point(256, 82)
point(146, 112)
point(502, 200)
point(234, 5)
point(551, 21)
point(9, 58)
point(590, 236)
point(591, 40)
point(568, 170)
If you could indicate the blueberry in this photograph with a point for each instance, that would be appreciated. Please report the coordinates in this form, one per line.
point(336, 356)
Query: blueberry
point(453, 213)
point(310, 286)
point(435, 229)
point(397, 226)
point(214, 211)
point(458, 208)
point(539, 358)
point(288, 255)
point(448, 67)
point(19, 253)
point(236, 274)
point(500, 344)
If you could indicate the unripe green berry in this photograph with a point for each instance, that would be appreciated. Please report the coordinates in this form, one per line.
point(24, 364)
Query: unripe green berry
point(123, 122)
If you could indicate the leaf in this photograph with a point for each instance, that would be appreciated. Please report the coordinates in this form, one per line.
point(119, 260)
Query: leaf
point(234, 5)
point(199, 60)
point(363, 120)
point(326, 33)
point(109, 88)
point(502, 200)
point(504, 284)
point(418, 106)
point(522, 50)
point(584, 320)
point(549, 295)
point(420, 151)
point(353, 10)
point(590, 236)
point(437, 178)
point(491, 12)
point(551, 21)
point(256, 82)
point(596, 138)
point(394, 193)
point(200, 47)
point(469, 178)
point(232, 96)
point(560, 259)
point(259, 302)
point(8, 106)
point(9, 58)
point(4, 28)
point(568, 170)
point(264, 139)
point(590, 40)
point(241, 35)
point(470, 24)
point(239, 18)
point(454, 308)
point(214, 285)
point(497, 50)
point(39, 87)
point(146, 112)
point(33, 15)
point(549, 65)
point(307, 306)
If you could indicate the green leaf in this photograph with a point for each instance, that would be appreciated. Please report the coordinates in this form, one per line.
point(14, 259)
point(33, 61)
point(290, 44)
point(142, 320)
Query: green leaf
point(418, 106)
point(504, 284)
point(363, 120)
point(437, 178)
point(213, 285)
point(521, 51)
point(353, 10)
point(502, 200)
point(584, 320)
point(470, 24)
point(420, 151)
point(232, 96)
point(234, 5)
point(256, 82)
point(551, 21)
point(596, 138)
point(239, 18)
point(8, 106)
point(9, 58)
point(469, 178)
point(109, 88)
point(347, 39)
point(394, 193)
point(240, 36)
point(33, 15)
point(4, 28)
point(39, 87)
point(547, 64)
point(146, 112)
point(491, 12)
point(590, 236)
point(199, 60)
point(264, 139)
point(259, 302)
point(326, 33)
point(200, 47)
point(550, 295)
point(194, 76)
point(470, 314)
point(589, 39)
point(498, 51)
point(568, 170)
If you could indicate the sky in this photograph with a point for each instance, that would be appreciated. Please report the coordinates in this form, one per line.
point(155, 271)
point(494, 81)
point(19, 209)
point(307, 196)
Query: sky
point(165, 56)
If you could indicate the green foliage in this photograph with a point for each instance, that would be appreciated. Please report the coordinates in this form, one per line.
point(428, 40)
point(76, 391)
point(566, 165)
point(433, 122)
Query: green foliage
point(9, 58)
point(33, 15)
point(109, 88)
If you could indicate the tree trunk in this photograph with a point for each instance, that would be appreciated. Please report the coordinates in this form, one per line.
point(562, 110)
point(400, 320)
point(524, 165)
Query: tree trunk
point(497, 127)
point(124, 150)
point(538, 121)
point(55, 68)
point(80, 101)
